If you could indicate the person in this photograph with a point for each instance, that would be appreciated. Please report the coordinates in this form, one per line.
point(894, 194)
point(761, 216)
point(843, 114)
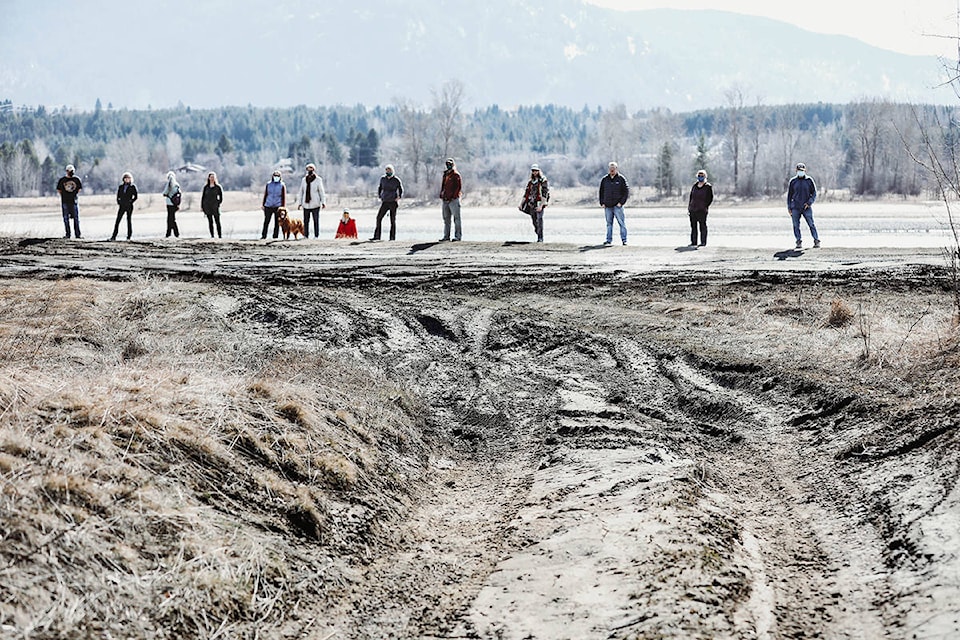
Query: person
point(172, 188)
point(347, 227)
point(210, 202)
point(450, 189)
point(311, 199)
point(801, 194)
point(274, 197)
point(701, 195)
point(126, 196)
point(389, 191)
point(613, 195)
point(69, 187)
point(535, 199)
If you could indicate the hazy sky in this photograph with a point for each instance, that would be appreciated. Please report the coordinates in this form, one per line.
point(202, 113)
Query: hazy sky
point(898, 26)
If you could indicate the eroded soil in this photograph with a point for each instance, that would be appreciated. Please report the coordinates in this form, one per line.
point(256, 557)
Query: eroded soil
point(617, 453)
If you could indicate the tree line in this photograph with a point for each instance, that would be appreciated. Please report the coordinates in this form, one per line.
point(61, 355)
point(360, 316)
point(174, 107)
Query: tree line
point(864, 148)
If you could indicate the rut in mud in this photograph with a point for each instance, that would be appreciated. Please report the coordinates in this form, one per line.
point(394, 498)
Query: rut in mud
point(598, 455)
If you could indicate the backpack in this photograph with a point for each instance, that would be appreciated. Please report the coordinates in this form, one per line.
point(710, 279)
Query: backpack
point(176, 198)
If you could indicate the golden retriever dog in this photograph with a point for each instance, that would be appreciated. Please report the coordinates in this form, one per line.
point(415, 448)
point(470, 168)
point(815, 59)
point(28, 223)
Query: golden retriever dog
point(289, 225)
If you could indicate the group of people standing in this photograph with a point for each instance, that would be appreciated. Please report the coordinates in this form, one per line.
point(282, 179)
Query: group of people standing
point(311, 197)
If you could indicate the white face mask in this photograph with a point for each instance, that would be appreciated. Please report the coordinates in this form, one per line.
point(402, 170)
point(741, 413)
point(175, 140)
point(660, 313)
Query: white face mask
point(276, 178)
point(801, 173)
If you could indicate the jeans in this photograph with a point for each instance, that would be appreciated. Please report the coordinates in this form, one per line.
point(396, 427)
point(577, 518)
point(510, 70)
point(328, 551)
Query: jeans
point(451, 210)
point(172, 221)
point(537, 218)
point(392, 208)
point(698, 220)
point(615, 212)
point(808, 216)
point(307, 214)
point(71, 210)
point(116, 227)
point(271, 212)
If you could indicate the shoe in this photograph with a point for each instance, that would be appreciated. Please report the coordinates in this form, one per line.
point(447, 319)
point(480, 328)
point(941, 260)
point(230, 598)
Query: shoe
point(455, 240)
point(444, 240)
point(816, 244)
point(112, 239)
point(66, 237)
point(692, 244)
point(539, 239)
point(702, 244)
point(607, 243)
point(624, 243)
point(799, 245)
point(79, 237)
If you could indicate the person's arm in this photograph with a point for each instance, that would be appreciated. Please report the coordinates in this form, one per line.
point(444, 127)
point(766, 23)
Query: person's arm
point(380, 189)
point(323, 194)
point(709, 188)
point(602, 180)
point(399, 189)
point(134, 194)
point(263, 204)
point(790, 195)
point(693, 190)
point(119, 191)
point(544, 194)
point(813, 193)
point(283, 195)
point(626, 192)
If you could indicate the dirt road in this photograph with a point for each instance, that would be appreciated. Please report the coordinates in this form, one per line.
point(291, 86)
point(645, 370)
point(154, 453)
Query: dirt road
point(615, 444)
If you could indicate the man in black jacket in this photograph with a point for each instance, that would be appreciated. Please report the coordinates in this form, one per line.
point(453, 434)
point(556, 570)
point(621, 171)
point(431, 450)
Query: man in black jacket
point(701, 196)
point(613, 195)
point(389, 191)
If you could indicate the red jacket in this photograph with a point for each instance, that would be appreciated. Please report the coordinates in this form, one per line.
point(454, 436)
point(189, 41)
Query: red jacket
point(347, 229)
point(451, 185)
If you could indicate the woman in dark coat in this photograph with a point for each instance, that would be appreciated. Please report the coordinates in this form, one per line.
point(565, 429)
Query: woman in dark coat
point(126, 196)
point(210, 203)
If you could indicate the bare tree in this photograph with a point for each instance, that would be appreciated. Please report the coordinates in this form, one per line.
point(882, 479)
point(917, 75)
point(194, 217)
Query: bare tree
point(448, 116)
point(735, 116)
point(870, 123)
point(416, 130)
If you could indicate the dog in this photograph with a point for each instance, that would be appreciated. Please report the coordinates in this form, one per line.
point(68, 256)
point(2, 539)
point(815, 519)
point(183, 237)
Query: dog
point(289, 225)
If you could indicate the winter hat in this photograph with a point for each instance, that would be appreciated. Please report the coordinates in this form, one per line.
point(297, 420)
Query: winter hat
point(534, 167)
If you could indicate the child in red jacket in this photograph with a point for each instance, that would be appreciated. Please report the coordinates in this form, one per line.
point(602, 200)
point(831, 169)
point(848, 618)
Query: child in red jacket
point(347, 227)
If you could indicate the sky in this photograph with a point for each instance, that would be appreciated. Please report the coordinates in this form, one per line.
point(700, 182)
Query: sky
point(907, 26)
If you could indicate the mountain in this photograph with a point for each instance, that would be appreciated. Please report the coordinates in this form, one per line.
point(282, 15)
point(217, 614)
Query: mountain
point(507, 52)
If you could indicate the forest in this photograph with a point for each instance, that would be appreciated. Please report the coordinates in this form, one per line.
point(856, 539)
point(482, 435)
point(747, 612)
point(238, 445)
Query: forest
point(864, 148)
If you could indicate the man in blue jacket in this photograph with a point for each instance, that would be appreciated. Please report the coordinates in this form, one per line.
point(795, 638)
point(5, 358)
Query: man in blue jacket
point(800, 196)
point(613, 195)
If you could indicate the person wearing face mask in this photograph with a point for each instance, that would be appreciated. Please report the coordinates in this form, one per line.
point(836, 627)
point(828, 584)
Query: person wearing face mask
point(701, 195)
point(311, 198)
point(69, 187)
point(347, 229)
point(171, 189)
point(450, 188)
point(126, 196)
point(800, 197)
point(389, 191)
point(274, 197)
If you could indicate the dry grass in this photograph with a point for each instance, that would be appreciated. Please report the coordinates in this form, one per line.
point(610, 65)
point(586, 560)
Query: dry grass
point(167, 474)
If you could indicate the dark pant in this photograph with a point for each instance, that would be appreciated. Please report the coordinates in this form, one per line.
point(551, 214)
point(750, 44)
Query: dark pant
point(70, 210)
point(116, 226)
point(270, 212)
point(384, 208)
point(698, 219)
point(172, 221)
point(537, 218)
point(213, 217)
point(315, 214)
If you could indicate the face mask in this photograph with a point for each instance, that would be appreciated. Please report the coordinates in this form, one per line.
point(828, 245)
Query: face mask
point(389, 174)
point(276, 178)
point(800, 174)
point(701, 178)
point(449, 165)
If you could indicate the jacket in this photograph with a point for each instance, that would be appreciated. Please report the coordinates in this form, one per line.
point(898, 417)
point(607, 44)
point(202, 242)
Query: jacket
point(700, 198)
point(126, 197)
point(614, 191)
point(450, 187)
point(537, 194)
point(171, 188)
point(211, 198)
point(390, 189)
point(275, 194)
point(802, 191)
point(318, 196)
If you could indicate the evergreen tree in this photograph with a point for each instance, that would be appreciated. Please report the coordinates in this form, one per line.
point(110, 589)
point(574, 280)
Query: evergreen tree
point(701, 161)
point(665, 170)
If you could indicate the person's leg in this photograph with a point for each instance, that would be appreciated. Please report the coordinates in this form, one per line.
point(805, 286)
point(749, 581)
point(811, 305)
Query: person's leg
point(808, 216)
point(116, 225)
point(393, 220)
point(447, 214)
point(170, 221)
point(210, 224)
point(173, 222)
point(306, 223)
point(129, 224)
point(693, 229)
point(382, 211)
point(65, 210)
point(618, 213)
point(538, 224)
point(795, 216)
point(703, 229)
point(76, 219)
point(276, 221)
point(608, 215)
point(266, 222)
point(216, 219)
point(455, 208)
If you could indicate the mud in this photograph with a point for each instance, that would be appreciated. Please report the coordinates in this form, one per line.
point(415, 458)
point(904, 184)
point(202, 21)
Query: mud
point(618, 450)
